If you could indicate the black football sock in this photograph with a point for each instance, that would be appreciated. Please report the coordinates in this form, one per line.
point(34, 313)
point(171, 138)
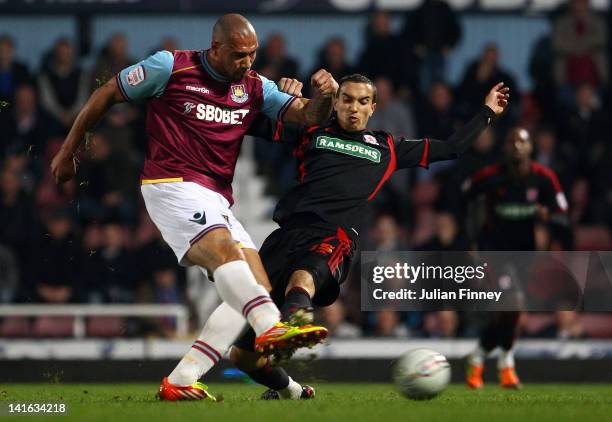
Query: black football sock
point(508, 329)
point(489, 336)
point(273, 377)
point(295, 299)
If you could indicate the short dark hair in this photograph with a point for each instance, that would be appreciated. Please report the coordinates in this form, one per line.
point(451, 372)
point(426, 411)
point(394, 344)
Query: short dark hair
point(358, 79)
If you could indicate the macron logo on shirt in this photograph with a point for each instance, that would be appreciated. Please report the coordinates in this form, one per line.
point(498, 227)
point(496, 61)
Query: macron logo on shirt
point(199, 89)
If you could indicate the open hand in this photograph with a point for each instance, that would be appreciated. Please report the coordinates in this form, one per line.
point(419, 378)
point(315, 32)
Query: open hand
point(497, 99)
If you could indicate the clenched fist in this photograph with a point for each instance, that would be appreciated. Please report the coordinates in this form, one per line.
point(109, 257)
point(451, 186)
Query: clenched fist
point(291, 87)
point(323, 83)
point(63, 167)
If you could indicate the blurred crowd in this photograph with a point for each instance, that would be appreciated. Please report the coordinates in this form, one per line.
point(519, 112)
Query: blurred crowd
point(90, 240)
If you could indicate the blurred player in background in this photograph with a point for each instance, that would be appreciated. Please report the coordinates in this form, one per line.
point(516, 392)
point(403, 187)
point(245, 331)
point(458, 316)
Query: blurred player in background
point(517, 194)
point(199, 106)
point(341, 168)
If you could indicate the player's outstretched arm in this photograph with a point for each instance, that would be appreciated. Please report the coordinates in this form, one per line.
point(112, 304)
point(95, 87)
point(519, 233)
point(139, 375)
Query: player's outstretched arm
point(425, 151)
point(63, 166)
point(272, 130)
point(314, 111)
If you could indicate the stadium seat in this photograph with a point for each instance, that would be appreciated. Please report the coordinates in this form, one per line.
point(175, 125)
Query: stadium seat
point(15, 327)
point(533, 323)
point(52, 326)
point(592, 238)
point(597, 325)
point(105, 327)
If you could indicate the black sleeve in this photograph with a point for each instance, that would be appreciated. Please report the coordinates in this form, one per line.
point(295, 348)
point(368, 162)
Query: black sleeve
point(275, 131)
point(422, 152)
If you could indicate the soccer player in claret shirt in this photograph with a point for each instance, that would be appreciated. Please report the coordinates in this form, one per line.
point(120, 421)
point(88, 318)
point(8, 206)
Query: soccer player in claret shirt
point(517, 193)
point(341, 167)
point(199, 106)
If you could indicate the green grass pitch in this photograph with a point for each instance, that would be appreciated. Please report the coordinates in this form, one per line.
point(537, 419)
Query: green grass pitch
point(334, 402)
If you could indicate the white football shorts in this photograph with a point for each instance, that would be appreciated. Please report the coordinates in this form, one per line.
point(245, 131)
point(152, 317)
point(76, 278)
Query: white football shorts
point(184, 212)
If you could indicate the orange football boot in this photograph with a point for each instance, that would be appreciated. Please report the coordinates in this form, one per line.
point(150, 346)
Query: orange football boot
point(509, 379)
point(195, 391)
point(473, 376)
point(285, 337)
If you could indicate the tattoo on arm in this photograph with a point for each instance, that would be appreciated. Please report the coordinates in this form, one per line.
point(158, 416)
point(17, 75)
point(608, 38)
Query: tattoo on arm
point(317, 110)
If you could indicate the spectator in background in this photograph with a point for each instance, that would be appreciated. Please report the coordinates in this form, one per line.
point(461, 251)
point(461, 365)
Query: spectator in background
point(50, 195)
point(479, 76)
point(549, 153)
point(541, 60)
point(112, 59)
point(380, 45)
point(335, 320)
point(438, 117)
point(27, 126)
point(580, 42)
point(385, 236)
point(56, 259)
point(18, 214)
point(393, 115)
point(165, 279)
point(110, 271)
point(567, 325)
point(168, 43)
point(63, 84)
point(162, 281)
point(272, 60)
point(448, 236)
point(441, 324)
point(332, 57)
point(106, 182)
point(584, 129)
point(12, 72)
point(432, 31)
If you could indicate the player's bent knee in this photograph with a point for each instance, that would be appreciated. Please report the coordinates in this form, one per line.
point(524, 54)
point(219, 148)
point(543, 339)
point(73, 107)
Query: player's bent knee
point(215, 249)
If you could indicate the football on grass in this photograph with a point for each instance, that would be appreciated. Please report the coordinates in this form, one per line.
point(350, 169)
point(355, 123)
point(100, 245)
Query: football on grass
point(421, 374)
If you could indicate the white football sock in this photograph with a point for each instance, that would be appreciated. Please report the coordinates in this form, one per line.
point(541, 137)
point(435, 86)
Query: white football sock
point(505, 359)
point(237, 287)
point(477, 357)
point(292, 392)
point(221, 330)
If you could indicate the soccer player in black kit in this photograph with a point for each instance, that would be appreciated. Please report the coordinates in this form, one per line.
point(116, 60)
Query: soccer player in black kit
point(341, 167)
point(517, 194)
